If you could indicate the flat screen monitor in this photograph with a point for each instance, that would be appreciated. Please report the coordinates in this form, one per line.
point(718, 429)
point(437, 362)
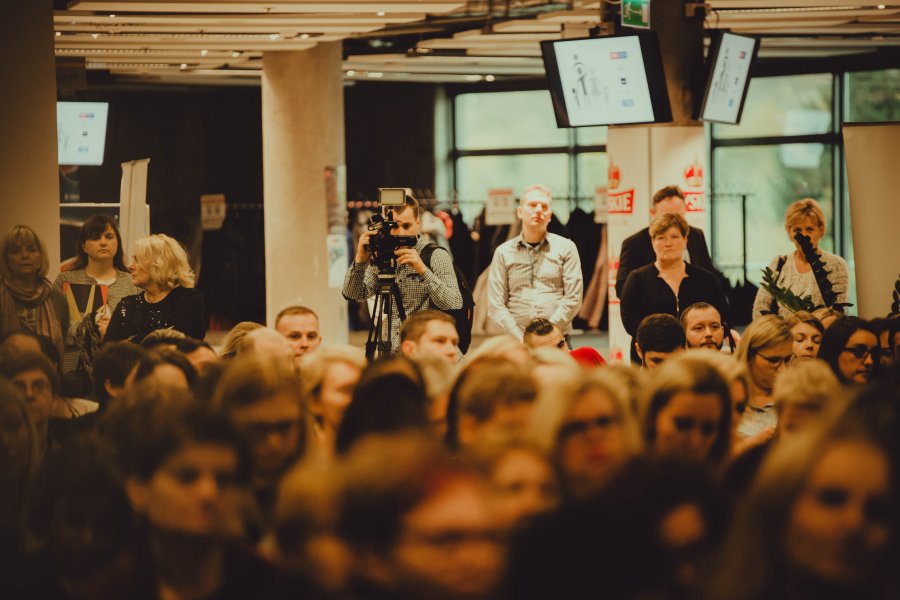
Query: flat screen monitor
point(730, 58)
point(615, 80)
point(81, 132)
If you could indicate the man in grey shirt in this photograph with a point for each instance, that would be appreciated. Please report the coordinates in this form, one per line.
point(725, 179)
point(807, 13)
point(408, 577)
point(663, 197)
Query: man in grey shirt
point(421, 286)
point(536, 274)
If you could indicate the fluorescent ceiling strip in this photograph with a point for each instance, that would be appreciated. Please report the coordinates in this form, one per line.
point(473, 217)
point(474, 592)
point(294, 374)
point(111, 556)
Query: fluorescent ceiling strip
point(212, 46)
point(271, 6)
point(73, 17)
point(769, 5)
point(115, 28)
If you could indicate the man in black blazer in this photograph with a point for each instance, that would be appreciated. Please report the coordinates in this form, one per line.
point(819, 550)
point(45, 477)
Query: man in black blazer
point(637, 250)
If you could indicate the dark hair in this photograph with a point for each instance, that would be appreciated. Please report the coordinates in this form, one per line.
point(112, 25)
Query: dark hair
point(113, 363)
point(415, 324)
point(48, 348)
point(162, 356)
point(660, 332)
point(539, 327)
point(835, 339)
point(92, 229)
point(79, 489)
point(182, 424)
point(162, 337)
point(189, 345)
point(388, 403)
point(670, 191)
point(12, 365)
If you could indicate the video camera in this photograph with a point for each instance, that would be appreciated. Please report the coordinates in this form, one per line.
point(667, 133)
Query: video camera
point(383, 244)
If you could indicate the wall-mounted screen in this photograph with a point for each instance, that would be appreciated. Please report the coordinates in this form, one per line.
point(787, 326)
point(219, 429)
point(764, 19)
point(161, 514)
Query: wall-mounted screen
point(613, 80)
point(730, 58)
point(81, 132)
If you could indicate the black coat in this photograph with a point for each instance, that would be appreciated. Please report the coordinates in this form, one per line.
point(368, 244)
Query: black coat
point(637, 251)
point(645, 293)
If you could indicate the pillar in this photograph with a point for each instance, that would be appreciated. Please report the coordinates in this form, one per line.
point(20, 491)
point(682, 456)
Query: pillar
point(28, 150)
point(304, 183)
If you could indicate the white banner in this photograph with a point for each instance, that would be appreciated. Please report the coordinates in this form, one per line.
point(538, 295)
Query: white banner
point(641, 161)
point(873, 179)
point(500, 208)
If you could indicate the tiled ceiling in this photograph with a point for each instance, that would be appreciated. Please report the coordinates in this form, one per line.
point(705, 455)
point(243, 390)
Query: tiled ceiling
point(222, 42)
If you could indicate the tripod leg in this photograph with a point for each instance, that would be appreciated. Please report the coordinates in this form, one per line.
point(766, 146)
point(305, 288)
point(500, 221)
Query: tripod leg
point(374, 328)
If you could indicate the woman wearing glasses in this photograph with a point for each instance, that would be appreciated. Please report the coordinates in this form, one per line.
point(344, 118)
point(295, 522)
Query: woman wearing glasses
point(767, 347)
point(850, 347)
point(686, 410)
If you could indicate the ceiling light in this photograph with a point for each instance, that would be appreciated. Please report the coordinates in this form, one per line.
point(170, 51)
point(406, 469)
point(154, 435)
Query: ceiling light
point(95, 35)
point(274, 36)
point(351, 73)
point(375, 74)
point(489, 77)
point(881, 7)
point(473, 77)
point(304, 36)
point(183, 66)
point(112, 15)
point(380, 13)
point(58, 33)
point(204, 52)
point(235, 54)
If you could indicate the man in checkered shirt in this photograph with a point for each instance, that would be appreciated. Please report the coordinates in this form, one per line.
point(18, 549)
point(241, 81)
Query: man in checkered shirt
point(536, 274)
point(422, 287)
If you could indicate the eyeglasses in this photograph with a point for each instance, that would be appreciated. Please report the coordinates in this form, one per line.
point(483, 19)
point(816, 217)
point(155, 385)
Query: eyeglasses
point(861, 351)
point(774, 361)
point(582, 426)
point(686, 424)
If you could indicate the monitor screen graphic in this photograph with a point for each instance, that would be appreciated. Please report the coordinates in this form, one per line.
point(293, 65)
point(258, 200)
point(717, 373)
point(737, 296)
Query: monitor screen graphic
point(81, 132)
point(729, 78)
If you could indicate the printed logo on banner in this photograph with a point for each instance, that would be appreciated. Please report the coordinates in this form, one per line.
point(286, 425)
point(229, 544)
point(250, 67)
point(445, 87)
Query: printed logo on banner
point(621, 202)
point(695, 199)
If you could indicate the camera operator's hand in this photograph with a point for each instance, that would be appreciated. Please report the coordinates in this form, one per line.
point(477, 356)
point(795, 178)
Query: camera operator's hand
point(410, 256)
point(362, 249)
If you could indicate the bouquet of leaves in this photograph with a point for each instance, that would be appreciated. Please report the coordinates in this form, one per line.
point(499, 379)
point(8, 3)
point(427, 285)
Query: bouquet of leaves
point(792, 301)
point(895, 305)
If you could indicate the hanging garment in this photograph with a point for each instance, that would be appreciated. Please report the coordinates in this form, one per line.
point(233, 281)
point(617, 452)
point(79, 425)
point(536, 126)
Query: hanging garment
point(596, 292)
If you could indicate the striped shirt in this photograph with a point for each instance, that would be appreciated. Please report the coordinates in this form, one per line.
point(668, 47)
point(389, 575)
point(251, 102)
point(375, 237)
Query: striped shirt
point(436, 289)
point(527, 282)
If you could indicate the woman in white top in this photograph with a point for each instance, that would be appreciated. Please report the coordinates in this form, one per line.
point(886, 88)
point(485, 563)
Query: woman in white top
point(793, 272)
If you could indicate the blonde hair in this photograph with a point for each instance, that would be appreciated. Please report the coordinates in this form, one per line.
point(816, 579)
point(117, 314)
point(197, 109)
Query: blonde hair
point(552, 356)
point(554, 404)
point(806, 382)
point(496, 347)
point(22, 234)
point(314, 365)
point(764, 332)
point(662, 223)
point(165, 260)
point(802, 209)
point(234, 339)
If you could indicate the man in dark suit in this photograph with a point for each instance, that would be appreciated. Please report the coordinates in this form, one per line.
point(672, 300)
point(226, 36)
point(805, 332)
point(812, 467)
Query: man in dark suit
point(637, 250)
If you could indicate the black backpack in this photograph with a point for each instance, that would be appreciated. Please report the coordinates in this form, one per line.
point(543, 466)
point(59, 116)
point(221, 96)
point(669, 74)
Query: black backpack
point(465, 316)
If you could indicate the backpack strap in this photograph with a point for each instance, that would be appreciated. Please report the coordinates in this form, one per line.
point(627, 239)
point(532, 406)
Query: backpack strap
point(426, 253)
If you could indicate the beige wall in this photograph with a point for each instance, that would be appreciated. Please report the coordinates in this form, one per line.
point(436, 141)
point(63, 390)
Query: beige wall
point(29, 180)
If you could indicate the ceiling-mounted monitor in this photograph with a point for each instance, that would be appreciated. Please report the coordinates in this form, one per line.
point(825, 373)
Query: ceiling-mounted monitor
point(730, 59)
point(614, 80)
point(81, 132)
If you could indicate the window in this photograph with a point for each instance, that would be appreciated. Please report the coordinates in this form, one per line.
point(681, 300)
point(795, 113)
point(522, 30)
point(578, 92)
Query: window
point(510, 140)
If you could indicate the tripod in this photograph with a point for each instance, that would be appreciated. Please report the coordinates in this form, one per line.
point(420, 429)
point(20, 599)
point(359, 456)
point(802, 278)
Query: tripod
point(378, 343)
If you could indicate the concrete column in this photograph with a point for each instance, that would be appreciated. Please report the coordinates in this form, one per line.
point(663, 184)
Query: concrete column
point(28, 171)
point(303, 135)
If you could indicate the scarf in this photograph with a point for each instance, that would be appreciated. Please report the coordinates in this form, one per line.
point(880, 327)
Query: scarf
point(13, 297)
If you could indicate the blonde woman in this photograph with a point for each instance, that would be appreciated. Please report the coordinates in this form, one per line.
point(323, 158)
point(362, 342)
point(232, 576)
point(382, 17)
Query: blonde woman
point(168, 301)
point(793, 272)
point(587, 427)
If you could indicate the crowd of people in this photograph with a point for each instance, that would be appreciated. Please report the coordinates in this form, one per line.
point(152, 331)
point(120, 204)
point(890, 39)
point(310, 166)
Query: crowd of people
point(138, 461)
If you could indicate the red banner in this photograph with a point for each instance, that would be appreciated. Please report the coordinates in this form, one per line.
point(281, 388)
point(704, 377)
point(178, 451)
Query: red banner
point(621, 202)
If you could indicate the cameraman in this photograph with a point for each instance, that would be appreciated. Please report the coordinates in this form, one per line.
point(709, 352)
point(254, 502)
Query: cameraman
point(420, 287)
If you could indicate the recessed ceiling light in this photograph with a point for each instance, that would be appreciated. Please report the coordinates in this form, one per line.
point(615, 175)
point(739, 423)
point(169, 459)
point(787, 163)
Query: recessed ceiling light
point(489, 77)
point(473, 77)
point(235, 54)
point(95, 35)
point(112, 16)
point(204, 52)
point(58, 33)
point(304, 36)
point(375, 74)
point(881, 7)
point(183, 66)
point(380, 13)
point(351, 73)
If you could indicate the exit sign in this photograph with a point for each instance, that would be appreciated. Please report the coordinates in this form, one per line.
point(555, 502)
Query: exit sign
point(636, 13)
